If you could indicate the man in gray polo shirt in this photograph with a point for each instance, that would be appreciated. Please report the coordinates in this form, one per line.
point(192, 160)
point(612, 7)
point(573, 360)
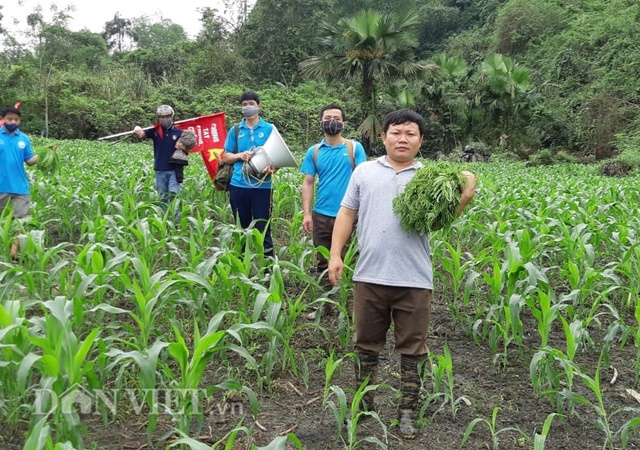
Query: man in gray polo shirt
point(393, 276)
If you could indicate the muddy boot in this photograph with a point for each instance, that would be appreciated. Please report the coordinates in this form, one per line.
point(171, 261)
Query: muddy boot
point(410, 388)
point(367, 367)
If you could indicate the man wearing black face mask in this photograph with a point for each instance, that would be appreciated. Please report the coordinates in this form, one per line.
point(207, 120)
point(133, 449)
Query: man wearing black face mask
point(333, 161)
point(164, 136)
point(15, 152)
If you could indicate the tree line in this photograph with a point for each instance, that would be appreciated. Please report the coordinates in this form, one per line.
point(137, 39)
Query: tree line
point(511, 74)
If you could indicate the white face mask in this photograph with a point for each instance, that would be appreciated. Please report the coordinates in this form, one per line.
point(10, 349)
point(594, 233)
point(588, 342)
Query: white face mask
point(250, 111)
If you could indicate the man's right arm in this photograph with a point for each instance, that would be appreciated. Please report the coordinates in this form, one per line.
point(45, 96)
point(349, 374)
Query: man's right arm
point(341, 231)
point(307, 199)
point(231, 153)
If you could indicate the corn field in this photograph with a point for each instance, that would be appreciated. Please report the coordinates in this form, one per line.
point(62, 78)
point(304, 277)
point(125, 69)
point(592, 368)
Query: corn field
point(114, 313)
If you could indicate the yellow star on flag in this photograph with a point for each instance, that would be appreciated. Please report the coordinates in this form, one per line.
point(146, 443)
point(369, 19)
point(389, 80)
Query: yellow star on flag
point(212, 152)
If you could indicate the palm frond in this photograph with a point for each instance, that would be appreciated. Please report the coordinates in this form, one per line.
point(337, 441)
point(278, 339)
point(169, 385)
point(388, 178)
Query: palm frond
point(370, 127)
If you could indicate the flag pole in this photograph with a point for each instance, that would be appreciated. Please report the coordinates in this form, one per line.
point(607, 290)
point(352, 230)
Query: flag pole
point(145, 129)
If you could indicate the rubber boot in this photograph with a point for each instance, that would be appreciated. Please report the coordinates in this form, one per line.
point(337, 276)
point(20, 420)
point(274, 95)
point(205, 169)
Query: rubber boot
point(410, 389)
point(367, 367)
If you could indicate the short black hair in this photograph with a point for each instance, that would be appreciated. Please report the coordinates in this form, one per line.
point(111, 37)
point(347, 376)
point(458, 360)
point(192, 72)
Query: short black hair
point(249, 95)
point(333, 106)
point(403, 116)
point(9, 110)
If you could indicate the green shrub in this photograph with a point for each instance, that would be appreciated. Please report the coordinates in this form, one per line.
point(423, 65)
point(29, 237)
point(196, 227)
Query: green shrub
point(629, 145)
point(542, 158)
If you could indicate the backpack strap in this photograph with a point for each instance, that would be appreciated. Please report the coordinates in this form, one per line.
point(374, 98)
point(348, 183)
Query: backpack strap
point(236, 128)
point(350, 144)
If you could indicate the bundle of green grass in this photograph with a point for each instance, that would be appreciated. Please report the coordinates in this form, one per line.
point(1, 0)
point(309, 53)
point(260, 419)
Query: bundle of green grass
point(430, 200)
point(48, 159)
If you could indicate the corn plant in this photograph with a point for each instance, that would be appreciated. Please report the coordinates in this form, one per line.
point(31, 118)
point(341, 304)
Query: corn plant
point(441, 374)
point(636, 342)
point(351, 414)
point(192, 365)
point(604, 417)
point(548, 380)
point(628, 266)
point(546, 310)
point(331, 365)
point(492, 425)
point(147, 362)
point(149, 296)
point(540, 439)
point(16, 363)
point(353, 441)
point(63, 365)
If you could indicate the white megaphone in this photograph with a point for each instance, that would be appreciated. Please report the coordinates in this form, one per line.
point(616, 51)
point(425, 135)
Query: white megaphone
point(274, 152)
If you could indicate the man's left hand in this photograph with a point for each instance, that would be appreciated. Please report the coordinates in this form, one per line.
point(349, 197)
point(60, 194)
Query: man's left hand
point(270, 170)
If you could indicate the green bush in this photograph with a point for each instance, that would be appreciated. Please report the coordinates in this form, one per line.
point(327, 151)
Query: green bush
point(629, 145)
point(542, 158)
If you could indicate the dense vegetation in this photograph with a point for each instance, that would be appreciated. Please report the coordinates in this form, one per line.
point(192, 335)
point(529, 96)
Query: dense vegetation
point(536, 319)
point(521, 75)
point(535, 335)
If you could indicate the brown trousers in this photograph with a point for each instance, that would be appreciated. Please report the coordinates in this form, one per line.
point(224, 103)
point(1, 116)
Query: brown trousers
point(322, 233)
point(377, 305)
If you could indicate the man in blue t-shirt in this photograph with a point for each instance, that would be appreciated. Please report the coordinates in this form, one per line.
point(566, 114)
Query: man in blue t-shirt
point(165, 136)
point(250, 196)
point(332, 160)
point(15, 152)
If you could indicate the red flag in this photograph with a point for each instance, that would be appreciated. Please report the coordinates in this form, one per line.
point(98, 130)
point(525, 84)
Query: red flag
point(211, 132)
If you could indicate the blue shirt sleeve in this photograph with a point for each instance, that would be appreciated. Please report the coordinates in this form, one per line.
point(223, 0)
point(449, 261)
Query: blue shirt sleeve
point(308, 167)
point(28, 150)
point(230, 141)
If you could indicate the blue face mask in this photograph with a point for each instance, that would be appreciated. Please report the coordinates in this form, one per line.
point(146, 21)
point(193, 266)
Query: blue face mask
point(11, 127)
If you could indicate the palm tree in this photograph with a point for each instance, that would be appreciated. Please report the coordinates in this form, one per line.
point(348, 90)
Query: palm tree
point(503, 88)
point(443, 94)
point(367, 47)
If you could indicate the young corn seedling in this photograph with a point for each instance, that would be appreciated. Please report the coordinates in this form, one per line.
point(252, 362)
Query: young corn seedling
point(546, 379)
point(605, 418)
point(353, 441)
point(192, 366)
point(16, 362)
point(540, 439)
point(149, 297)
point(441, 374)
point(147, 362)
point(331, 365)
point(546, 313)
point(636, 342)
point(492, 425)
point(63, 365)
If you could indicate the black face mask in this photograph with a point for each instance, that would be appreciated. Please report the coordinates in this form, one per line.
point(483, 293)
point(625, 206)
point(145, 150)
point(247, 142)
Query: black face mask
point(332, 127)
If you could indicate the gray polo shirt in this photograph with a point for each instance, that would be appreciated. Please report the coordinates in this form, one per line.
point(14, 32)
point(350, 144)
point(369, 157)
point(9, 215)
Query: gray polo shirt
point(388, 255)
